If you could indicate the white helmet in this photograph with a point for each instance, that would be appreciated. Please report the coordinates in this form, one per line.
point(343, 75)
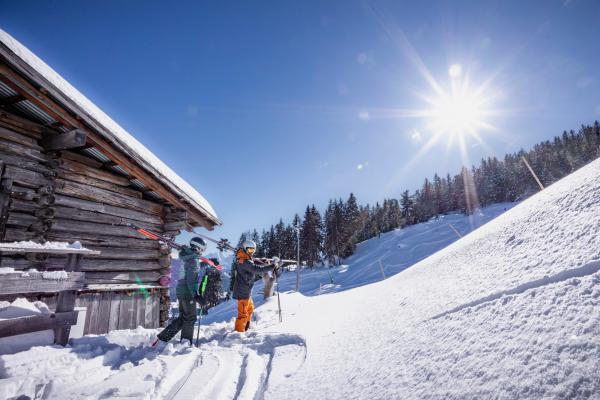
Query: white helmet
point(249, 244)
point(198, 244)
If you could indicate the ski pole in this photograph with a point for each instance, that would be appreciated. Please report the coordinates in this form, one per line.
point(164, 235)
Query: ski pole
point(198, 331)
point(278, 299)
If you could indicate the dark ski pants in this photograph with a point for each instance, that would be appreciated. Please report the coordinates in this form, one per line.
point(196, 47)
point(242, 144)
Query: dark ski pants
point(184, 322)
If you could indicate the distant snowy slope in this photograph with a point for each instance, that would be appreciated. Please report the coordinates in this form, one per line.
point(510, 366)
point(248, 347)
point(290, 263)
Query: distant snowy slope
point(397, 250)
point(511, 311)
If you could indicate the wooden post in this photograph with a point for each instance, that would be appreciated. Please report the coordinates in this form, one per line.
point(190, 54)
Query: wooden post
point(455, 231)
point(532, 173)
point(66, 301)
point(381, 268)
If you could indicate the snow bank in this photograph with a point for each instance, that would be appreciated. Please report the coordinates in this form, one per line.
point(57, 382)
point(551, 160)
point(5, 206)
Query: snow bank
point(42, 246)
point(22, 308)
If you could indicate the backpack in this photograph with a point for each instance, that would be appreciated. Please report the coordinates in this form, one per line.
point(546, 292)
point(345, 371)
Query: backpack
point(210, 289)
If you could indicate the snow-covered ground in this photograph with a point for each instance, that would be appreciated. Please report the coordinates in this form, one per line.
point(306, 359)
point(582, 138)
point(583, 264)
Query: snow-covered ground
point(511, 311)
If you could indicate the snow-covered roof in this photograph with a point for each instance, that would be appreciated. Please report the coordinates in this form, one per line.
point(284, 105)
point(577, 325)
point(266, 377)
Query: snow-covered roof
point(110, 130)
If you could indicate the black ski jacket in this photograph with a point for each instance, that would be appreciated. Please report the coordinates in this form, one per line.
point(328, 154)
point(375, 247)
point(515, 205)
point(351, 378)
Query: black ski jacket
point(245, 278)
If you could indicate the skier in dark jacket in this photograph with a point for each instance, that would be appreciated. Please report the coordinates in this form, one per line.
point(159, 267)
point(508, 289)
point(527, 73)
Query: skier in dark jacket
point(245, 275)
point(187, 291)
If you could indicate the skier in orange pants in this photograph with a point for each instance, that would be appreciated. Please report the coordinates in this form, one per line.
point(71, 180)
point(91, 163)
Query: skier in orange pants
point(243, 278)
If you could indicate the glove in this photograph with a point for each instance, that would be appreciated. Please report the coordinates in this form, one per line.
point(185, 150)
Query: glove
point(199, 298)
point(227, 296)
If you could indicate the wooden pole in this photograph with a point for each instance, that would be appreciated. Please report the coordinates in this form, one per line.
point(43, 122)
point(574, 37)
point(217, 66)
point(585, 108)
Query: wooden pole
point(381, 268)
point(455, 231)
point(532, 173)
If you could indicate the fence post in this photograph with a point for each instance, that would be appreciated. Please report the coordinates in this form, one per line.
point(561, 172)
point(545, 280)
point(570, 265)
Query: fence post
point(381, 268)
point(455, 231)
point(532, 173)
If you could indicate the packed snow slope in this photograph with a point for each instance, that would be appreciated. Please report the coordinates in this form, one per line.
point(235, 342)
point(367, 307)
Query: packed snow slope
point(511, 311)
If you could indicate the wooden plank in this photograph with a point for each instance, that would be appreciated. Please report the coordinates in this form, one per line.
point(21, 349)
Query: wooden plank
point(17, 235)
point(96, 217)
point(35, 283)
point(96, 242)
point(86, 180)
point(95, 205)
point(68, 140)
point(24, 177)
point(126, 312)
point(36, 323)
point(7, 134)
point(118, 277)
point(10, 100)
point(87, 192)
point(113, 319)
point(94, 312)
point(94, 172)
point(104, 312)
point(148, 309)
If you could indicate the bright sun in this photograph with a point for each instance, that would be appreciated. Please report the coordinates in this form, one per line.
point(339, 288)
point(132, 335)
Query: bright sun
point(456, 114)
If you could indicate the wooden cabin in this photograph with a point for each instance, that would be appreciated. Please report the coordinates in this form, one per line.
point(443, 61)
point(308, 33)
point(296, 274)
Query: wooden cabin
point(70, 173)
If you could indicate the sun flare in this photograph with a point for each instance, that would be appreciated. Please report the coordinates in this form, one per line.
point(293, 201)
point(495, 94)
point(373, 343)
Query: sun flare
point(456, 114)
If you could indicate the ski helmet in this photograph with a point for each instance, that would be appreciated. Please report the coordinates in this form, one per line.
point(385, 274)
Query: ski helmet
point(249, 244)
point(198, 244)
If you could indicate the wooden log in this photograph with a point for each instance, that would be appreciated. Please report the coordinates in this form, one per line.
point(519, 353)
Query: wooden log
point(44, 201)
point(86, 180)
point(176, 216)
point(22, 125)
point(20, 150)
point(62, 141)
point(120, 277)
point(36, 323)
point(69, 225)
point(177, 225)
point(118, 265)
point(26, 178)
point(91, 205)
point(92, 240)
point(7, 134)
point(80, 158)
point(23, 193)
point(5, 196)
point(17, 235)
point(91, 216)
point(25, 163)
point(40, 226)
point(23, 206)
point(44, 213)
point(87, 192)
point(20, 219)
point(93, 172)
point(34, 283)
point(120, 253)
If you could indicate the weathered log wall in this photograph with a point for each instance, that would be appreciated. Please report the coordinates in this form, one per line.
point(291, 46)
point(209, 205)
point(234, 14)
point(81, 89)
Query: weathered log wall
point(67, 196)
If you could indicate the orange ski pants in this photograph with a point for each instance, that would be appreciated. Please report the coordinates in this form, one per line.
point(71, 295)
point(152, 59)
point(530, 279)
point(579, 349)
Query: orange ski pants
point(245, 309)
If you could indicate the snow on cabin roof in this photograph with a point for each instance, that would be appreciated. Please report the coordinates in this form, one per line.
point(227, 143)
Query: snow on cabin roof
point(112, 131)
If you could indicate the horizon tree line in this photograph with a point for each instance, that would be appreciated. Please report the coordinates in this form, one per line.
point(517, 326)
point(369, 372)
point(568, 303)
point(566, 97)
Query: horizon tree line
point(334, 234)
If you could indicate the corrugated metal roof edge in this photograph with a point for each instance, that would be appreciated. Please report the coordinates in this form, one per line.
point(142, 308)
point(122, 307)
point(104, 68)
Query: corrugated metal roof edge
point(69, 103)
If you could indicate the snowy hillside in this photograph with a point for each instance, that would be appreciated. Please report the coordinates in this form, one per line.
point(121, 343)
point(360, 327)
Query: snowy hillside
point(510, 311)
point(397, 250)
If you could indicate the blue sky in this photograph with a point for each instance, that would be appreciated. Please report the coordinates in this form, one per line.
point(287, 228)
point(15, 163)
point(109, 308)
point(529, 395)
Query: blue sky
point(267, 106)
